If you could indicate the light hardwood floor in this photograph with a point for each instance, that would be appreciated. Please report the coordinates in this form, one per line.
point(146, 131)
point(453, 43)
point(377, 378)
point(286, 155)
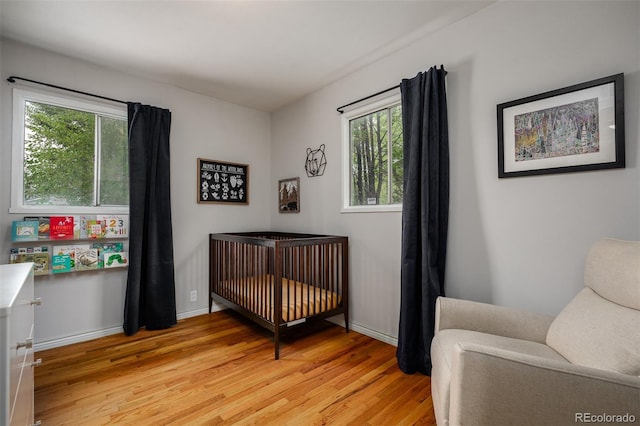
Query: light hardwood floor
point(219, 369)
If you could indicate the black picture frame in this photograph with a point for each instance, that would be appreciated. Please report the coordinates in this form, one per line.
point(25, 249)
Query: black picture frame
point(222, 182)
point(577, 128)
point(289, 195)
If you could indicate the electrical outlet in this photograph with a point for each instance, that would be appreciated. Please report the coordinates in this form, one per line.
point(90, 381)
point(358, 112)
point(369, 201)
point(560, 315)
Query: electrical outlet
point(194, 295)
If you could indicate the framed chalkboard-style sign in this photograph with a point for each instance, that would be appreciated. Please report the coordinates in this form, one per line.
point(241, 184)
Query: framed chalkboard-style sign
point(221, 182)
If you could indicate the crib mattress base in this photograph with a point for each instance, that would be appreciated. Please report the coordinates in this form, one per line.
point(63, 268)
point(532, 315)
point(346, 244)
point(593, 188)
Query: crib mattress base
point(299, 300)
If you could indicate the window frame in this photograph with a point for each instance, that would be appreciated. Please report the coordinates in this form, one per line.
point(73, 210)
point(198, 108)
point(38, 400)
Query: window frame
point(387, 101)
point(20, 97)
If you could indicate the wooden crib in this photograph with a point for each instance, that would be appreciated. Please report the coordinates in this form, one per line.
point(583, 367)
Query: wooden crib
point(312, 270)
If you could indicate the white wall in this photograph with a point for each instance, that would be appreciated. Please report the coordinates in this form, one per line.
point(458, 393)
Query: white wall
point(91, 303)
point(518, 242)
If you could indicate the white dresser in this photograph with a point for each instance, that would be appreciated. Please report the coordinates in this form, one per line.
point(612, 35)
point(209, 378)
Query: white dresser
point(16, 344)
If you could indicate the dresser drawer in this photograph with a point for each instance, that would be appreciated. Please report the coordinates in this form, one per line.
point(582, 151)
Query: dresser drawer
point(16, 344)
point(22, 409)
point(20, 347)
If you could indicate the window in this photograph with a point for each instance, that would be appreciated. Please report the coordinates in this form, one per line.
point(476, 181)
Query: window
point(372, 157)
point(69, 155)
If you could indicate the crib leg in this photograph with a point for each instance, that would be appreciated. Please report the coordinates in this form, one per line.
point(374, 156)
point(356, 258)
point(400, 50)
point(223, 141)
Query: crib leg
point(276, 342)
point(346, 321)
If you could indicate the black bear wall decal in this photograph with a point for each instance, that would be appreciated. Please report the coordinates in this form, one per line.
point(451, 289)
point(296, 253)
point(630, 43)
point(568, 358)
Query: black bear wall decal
point(316, 162)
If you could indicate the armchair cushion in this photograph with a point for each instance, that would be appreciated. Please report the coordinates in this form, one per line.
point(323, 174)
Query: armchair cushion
point(599, 327)
point(594, 332)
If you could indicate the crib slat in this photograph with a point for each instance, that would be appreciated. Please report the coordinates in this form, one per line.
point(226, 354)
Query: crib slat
point(277, 317)
point(287, 301)
point(325, 275)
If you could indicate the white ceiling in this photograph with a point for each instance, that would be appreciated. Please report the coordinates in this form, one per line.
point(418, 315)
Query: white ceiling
point(260, 54)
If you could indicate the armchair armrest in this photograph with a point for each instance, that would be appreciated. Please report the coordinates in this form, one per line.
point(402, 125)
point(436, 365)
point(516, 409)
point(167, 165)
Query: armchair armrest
point(492, 319)
point(499, 387)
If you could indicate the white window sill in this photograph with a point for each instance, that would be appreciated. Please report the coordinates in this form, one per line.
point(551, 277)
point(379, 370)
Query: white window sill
point(372, 209)
point(64, 211)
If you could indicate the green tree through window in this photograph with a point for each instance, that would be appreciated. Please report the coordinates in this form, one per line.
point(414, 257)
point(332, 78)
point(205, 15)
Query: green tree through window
point(376, 157)
point(73, 157)
point(114, 162)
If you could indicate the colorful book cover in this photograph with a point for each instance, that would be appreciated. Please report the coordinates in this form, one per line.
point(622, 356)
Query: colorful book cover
point(20, 257)
point(41, 263)
point(24, 230)
point(43, 226)
point(70, 251)
point(61, 227)
point(116, 226)
point(86, 259)
point(104, 249)
point(115, 260)
point(38, 255)
point(60, 263)
point(94, 228)
point(79, 227)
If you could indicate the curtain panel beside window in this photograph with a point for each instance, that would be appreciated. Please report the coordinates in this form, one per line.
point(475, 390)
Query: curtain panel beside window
point(425, 215)
point(150, 296)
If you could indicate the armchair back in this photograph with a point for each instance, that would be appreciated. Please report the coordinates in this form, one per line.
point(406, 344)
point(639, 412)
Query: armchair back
point(600, 327)
point(613, 271)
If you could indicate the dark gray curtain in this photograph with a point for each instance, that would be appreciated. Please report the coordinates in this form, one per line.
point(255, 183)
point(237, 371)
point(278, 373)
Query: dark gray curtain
point(425, 212)
point(150, 297)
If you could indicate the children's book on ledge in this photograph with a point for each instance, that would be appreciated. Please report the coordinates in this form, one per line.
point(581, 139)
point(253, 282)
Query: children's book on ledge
point(77, 254)
point(72, 257)
point(24, 230)
point(71, 227)
point(38, 255)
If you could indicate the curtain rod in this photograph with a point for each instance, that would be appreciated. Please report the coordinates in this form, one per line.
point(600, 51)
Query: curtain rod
point(13, 79)
point(340, 109)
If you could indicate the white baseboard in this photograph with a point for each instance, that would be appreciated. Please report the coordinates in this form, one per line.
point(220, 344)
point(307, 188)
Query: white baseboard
point(338, 320)
point(83, 337)
point(393, 341)
point(195, 313)
point(77, 338)
point(54, 343)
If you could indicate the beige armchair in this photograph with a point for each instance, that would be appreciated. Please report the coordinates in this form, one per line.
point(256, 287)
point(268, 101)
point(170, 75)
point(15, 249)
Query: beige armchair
point(500, 366)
